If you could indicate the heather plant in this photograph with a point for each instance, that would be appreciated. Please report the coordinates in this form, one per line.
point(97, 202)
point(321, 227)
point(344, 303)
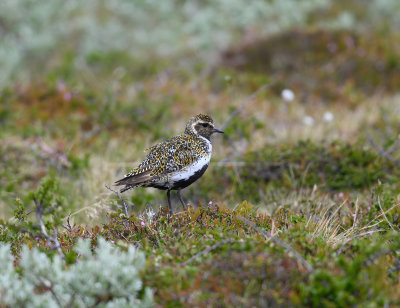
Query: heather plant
point(49, 210)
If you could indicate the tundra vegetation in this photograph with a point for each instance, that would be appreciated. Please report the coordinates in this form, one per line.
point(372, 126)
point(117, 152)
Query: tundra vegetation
point(300, 204)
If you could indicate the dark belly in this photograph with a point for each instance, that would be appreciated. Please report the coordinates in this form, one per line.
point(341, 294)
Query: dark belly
point(182, 183)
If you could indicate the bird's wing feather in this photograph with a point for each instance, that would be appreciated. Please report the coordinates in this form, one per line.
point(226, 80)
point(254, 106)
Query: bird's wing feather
point(134, 180)
point(143, 173)
point(170, 156)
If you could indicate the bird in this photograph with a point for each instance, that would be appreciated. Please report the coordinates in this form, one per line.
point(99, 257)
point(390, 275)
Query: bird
point(175, 163)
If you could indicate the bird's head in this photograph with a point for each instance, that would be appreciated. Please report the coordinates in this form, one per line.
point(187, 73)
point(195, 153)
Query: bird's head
point(201, 125)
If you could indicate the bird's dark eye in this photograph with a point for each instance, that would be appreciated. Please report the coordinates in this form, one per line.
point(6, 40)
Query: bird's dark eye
point(204, 124)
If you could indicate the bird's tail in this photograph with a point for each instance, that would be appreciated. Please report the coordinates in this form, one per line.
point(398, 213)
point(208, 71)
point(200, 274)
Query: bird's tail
point(126, 188)
point(136, 180)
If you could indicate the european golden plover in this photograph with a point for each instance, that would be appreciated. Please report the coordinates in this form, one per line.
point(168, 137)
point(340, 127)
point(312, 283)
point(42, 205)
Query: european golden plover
point(176, 163)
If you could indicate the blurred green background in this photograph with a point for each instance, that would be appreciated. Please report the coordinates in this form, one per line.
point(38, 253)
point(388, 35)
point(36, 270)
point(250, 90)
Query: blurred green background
point(86, 86)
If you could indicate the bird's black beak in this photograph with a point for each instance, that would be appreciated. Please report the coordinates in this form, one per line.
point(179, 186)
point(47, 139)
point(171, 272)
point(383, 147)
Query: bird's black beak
point(216, 130)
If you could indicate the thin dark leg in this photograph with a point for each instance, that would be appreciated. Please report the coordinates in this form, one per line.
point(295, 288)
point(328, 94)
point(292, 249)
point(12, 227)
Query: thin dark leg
point(180, 198)
point(169, 201)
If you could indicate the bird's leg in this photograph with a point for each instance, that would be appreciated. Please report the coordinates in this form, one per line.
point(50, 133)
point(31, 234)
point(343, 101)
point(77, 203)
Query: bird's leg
point(180, 198)
point(169, 201)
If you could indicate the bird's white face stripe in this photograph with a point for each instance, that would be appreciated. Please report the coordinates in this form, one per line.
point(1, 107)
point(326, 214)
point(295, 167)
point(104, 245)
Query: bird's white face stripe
point(193, 125)
point(201, 122)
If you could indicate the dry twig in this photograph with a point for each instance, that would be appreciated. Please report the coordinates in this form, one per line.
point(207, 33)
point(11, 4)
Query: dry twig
point(242, 105)
point(341, 249)
point(382, 152)
point(280, 242)
point(396, 267)
point(120, 198)
point(207, 250)
point(384, 215)
point(53, 293)
point(376, 256)
point(68, 227)
point(53, 240)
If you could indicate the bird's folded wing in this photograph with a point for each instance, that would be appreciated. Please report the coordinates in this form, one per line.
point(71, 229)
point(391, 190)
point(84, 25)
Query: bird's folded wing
point(136, 179)
point(144, 173)
point(170, 156)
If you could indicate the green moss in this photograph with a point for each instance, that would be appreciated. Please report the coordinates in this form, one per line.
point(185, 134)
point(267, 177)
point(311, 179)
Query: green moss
point(336, 166)
point(355, 281)
point(244, 264)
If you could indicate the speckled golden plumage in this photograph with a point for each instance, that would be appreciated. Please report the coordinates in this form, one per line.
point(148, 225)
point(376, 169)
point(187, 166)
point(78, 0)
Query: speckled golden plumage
point(170, 156)
point(188, 153)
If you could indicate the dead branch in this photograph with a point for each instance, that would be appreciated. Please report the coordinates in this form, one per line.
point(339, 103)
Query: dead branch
point(290, 250)
point(341, 249)
point(393, 146)
point(379, 216)
point(376, 256)
point(120, 198)
point(53, 293)
point(382, 152)
point(207, 250)
point(396, 267)
point(68, 227)
point(384, 215)
point(207, 71)
point(244, 104)
point(53, 242)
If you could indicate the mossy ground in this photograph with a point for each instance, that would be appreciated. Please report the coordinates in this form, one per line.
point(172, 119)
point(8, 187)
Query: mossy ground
point(329, 189)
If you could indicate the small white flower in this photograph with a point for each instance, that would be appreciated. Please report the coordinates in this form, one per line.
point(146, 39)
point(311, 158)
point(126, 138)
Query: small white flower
point(328, 116)
point(287, 95)
point(308, 120)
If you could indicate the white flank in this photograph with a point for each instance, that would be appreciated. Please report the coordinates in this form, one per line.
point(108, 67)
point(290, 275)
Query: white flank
point(190, 170)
